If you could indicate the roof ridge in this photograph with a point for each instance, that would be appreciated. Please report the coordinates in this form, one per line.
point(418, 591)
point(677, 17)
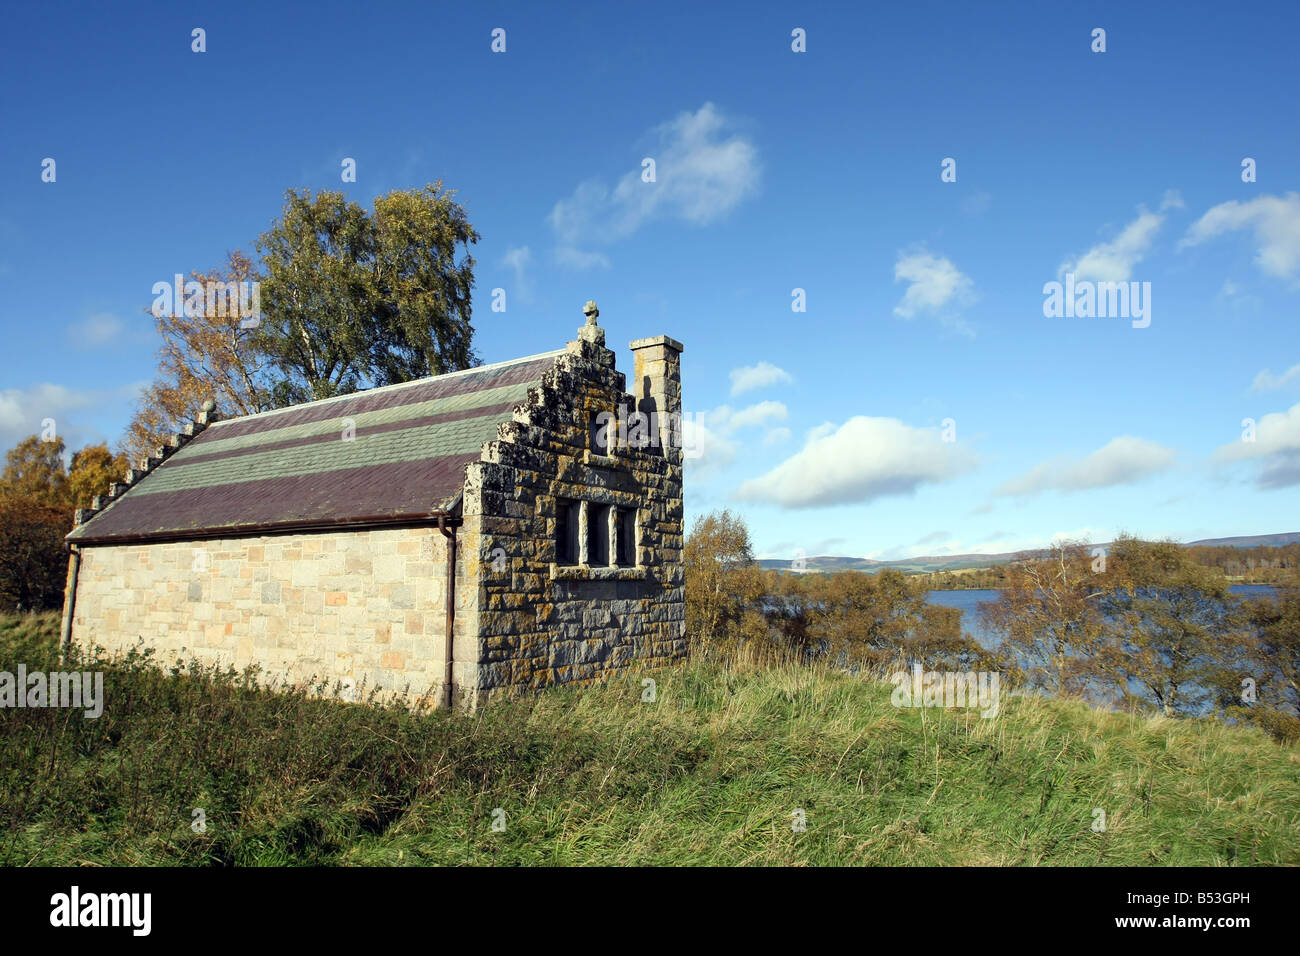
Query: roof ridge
point(388, 388)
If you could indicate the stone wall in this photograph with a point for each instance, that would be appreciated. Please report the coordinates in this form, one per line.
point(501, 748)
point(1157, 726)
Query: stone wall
point(345, 605)
point(543, 621)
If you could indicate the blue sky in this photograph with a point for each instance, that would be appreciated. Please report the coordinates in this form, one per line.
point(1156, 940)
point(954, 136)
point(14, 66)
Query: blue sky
point(775, 170)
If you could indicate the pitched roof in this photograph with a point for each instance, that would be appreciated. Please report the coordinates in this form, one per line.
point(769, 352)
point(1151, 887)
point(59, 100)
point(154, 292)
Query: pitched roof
point(292, 468)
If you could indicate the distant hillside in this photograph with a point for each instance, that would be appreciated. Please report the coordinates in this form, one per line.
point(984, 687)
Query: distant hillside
point(924, 564)
point(928, 564)
point(1251, 541)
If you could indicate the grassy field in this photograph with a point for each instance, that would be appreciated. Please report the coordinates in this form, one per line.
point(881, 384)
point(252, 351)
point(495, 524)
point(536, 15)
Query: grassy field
point(711, 772)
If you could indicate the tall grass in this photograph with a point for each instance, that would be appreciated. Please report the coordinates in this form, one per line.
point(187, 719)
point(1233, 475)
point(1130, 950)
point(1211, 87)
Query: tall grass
point(715, 770)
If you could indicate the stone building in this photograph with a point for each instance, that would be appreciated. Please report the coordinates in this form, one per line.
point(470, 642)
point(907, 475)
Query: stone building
point(531, 508)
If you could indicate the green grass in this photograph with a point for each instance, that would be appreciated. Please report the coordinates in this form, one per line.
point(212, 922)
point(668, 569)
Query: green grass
point(710, 773)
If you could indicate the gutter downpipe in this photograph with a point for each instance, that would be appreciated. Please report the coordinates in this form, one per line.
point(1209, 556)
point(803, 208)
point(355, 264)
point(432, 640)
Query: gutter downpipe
point(69, 602)
point(447, 688)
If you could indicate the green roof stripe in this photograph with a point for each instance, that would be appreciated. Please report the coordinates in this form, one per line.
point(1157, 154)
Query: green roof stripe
point(424, 442)
point(493, 397)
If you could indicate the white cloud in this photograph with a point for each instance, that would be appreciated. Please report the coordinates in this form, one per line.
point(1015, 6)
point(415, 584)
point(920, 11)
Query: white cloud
point(1276, 447)
point(749, 377)
point(759, 415)
point(1114, 261)
point(1172, 199)
point(977, 204)
point(707, 437)
point(1275, 222)
point(935, 284)
point(861, 460)
point(1120, 461)
point(703, 170)
point(95, 331)
point(1267, 381)
point(711, 435)
point(22, 411)
point(572, 258)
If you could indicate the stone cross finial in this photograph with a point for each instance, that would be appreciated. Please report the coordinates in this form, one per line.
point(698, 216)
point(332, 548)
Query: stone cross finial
point(591, 332)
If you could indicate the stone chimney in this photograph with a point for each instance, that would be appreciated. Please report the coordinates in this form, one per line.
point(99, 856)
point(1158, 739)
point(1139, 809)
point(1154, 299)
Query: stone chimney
point(657, 387)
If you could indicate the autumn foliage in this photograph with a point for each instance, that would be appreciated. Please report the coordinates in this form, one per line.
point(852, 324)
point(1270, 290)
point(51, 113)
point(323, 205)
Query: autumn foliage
point(876, 622)
point(38, 495)
point(1147, 627)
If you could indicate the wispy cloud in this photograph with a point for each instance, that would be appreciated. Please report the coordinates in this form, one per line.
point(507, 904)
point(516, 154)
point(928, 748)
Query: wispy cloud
point(749, 377)
point(95, 331)
point(1120, 461)
point(936, 286)
point(861, 460)
point(1113, 261)
point(704, 168)
point(1266, 381)
point(1275, 222)
point(518, 260)
point(571, 258)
